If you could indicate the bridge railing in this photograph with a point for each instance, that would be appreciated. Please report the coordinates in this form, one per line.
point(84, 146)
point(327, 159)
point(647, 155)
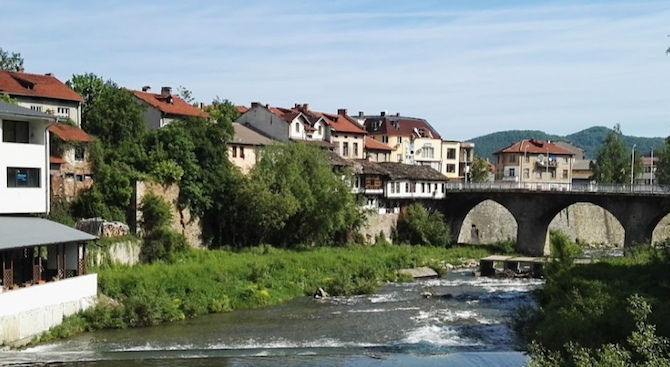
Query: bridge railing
point(559, 186)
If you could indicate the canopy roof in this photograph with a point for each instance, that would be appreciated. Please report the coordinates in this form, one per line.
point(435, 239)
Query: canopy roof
point(19, 232)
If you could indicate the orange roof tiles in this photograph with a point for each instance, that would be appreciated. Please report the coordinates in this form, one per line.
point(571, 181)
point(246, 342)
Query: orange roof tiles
point(373, 144)
point(35, 85)
point(533, 146)
point(242, 109)
point(56, 160)
point(69, 133)
point(177, 107)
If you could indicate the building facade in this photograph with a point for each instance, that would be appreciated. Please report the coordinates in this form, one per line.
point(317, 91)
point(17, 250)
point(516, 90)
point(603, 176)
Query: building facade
point(648, 174)
point(534, 161)
point(42, 93)
point(163, 108)
point(70, 169)
point(244, 149)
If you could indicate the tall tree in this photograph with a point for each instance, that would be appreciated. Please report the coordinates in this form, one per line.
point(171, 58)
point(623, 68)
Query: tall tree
point(10, 61)
point(109, 112)
point(186, 95)
point(224, 113)
point(613, 160)
point(479, 171)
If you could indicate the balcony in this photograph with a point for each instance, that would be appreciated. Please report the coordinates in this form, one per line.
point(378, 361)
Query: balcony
point(553, 163)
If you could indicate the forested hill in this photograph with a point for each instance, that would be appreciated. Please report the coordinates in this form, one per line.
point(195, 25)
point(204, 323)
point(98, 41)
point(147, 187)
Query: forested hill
point(589, 139)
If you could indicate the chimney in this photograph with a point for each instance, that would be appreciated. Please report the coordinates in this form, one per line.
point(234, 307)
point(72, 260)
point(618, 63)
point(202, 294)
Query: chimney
point(202, 106)
point(305, 107)
point(360, 114)
point(397, 114)
point(255, 104)
point(342, 111)
point(383, 113)
point(19, 69)
point(146, 88)
point(49, 74)
point(166, 91)
point(296, 106)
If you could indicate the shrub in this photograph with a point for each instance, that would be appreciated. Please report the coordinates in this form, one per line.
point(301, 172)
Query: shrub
point(156, 213)
point(419, 227)
point(162, 244)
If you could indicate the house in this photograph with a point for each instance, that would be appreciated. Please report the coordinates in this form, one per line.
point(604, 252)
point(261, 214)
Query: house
point(415, 141)
point(347, 136)
point(376, 151)
point(42, 93)
point(581, 171)
point(534, 161)
point(648, 174)
point(34, 250)
point(244, 148)
point(71, 170)
point(457, 158)
point(165, 107)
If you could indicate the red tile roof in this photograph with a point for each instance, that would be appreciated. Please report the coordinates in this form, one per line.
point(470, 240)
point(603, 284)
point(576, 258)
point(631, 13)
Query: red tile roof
point(34, 85)
point(57, 160)
point(372, 144)
point(535, 147)
point(69, 133)
point(177, 107)
point(401, 126)
point(342, 124)
point(242, 109)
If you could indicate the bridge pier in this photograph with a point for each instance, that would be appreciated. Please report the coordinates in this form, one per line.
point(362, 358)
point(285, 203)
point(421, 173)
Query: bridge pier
point(532, 237)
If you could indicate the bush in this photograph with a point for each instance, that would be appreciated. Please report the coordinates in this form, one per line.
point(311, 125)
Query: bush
point(419, 227)
point(163, 244)
point(61, 212)
point(156, 213)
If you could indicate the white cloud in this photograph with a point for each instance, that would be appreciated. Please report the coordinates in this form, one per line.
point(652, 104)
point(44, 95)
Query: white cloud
point(559, 68)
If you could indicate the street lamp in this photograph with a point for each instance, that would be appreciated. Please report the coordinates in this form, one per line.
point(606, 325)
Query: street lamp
point(632, 163)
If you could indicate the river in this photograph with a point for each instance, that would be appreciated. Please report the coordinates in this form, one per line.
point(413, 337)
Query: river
point(395, 327)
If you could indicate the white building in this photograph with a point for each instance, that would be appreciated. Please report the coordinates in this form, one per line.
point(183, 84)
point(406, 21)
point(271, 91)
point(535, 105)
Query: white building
point(163, 108)
point(42, 93)
point(28, 304)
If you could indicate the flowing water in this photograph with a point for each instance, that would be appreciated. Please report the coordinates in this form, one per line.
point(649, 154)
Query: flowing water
point(395, 327)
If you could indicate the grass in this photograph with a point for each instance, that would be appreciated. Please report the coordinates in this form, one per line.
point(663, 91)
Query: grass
point(202, 282)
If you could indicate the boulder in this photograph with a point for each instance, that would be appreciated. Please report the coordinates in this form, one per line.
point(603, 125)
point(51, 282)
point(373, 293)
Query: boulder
point(419, 273)
point(320, 293)
point(449, 266)
point(426, 294)
point(102, 228)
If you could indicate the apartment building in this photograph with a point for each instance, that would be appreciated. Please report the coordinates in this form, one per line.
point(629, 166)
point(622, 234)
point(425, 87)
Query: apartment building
point(534, 161)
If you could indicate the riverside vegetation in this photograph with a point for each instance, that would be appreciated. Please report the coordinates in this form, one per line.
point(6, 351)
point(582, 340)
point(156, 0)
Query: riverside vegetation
point(601, 314)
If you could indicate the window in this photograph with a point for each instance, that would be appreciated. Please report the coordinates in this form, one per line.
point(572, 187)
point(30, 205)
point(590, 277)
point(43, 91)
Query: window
point(15, 131)
point(397, 187)
point(442, 188)
point(527, 159)
point(392, 188)
point(320, 129)
point(553, 173)
point(538, 174)
point(526, 173)
point(23, 177)
point(423, 187)
point(498, 158)
point(36, 108)
point(565, 159)
point(79, 178)
point(565, 174)
point(451, 153)
point(63, 111)
point(357, 181)
point(435, 189)
point(427, 151)
point(399, 140)
point(79, 153)
point(512, 158)
point(355, 149)
point(297, 127)
point(385, 139)
point(234, 152)
point(512, 172)
point(54, 166)
point(242, 152)
point(451, 168)
point(399, 158)
point(345, 149)
point(407, 187)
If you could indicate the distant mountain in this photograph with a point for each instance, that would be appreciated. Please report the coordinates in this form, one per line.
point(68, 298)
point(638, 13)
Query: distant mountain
point(589, 139)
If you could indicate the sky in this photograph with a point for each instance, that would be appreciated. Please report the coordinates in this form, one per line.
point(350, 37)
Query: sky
point(469, 67)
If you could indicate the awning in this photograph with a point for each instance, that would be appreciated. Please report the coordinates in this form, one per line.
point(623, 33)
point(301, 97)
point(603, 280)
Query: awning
point(19, 232)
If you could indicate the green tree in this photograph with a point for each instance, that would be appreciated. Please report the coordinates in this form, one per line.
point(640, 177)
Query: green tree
point(10, 61)
point(479, 171)
point(109, 112)
point(6, 98)
point(663, 166)
point(186, 95)
point(613, 161)
point(418, 226)
point(224, 113)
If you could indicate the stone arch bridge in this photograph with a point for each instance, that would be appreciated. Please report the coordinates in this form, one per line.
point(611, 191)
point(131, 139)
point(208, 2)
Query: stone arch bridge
point(638, 208)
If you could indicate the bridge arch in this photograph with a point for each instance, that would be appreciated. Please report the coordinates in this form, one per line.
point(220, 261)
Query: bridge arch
point(659, 228)
point(487, 221)
point(590, 223)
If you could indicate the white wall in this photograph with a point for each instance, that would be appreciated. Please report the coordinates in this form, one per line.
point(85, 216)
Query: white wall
point(422, 190)
point(17, 200)
point(28, 312)
point(53, 105)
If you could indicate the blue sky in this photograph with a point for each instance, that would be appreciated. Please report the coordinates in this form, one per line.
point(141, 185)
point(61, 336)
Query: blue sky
point(468, 67)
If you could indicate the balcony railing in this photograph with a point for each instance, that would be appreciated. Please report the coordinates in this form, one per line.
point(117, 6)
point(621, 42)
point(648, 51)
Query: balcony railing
point(560, 187)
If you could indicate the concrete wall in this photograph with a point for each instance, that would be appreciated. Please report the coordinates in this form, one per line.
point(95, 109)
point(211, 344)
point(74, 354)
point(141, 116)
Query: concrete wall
point(376, 223)
point(244, 161)
point(48, 105)
point(28, 312)
point(182, 221)
point(126, 252)
point(350, 138)
point(261, 119)
point(490, 222)
point(152, 116)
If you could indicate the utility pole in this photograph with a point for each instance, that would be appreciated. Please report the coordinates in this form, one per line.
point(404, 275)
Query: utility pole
point(632, 163)
point(651, 180)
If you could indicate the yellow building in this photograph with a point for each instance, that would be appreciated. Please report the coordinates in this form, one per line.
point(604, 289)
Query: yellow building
point(534, 161)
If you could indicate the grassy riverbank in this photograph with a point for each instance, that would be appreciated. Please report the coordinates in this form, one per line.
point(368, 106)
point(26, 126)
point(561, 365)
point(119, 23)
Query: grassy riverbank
point(202, 282)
